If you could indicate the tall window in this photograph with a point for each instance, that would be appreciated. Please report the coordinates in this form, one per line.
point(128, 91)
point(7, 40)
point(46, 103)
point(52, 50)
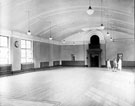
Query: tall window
point(4, 49)
point(26, 51)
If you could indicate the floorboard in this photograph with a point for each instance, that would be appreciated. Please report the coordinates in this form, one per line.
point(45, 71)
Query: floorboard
point(69, 87)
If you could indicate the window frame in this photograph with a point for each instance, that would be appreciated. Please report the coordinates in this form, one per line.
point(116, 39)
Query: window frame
point(8, 50)
point(26, 49)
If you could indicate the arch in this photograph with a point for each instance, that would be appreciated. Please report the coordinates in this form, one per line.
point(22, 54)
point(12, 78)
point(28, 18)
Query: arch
point(94, 40)
point(99, 34)
point(94, 51)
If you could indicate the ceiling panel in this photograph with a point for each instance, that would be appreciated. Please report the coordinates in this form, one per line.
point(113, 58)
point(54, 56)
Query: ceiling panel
point(66, 17)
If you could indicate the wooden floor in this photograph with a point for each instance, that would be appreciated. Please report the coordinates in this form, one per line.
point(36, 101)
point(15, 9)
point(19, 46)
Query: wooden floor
point(69, 87)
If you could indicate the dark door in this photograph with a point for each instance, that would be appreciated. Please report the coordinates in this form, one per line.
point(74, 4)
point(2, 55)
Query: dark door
point(94, 60)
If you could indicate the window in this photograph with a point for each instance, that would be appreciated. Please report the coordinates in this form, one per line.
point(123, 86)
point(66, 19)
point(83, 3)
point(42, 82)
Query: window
point(4, 50)
point(26, 51)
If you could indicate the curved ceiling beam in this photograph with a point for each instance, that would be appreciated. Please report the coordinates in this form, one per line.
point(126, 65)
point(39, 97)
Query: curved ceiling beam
point(56, 30)
point(52, 13)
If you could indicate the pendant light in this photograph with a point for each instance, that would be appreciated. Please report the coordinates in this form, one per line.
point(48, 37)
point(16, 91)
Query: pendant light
point(28, 32)
point(90, 11)
point(108, 20)
point(50, 38)
point(108, 34)
point(63, 41)
point(111, 39)
point(102, 26)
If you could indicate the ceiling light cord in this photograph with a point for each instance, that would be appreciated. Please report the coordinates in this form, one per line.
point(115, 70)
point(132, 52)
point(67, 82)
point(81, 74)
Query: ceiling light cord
point(107, 28)
point(102, 26)
point(28, 20)
point(50, 38)
point(101, 12)
point(28, 32)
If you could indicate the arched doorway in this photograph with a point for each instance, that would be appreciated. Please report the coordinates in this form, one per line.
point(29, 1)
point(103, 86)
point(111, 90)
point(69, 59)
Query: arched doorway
point(94, 51)
point(94, 40)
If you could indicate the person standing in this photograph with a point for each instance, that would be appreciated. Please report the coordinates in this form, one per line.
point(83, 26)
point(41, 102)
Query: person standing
point(114, 65)
point(108, 64)
point(119, 64)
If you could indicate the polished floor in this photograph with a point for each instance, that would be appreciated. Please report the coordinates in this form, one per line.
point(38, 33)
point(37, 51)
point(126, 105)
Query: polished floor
point(69, 87)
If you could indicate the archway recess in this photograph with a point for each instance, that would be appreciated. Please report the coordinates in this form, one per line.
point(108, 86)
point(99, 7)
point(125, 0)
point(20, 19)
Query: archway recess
point(94, 52)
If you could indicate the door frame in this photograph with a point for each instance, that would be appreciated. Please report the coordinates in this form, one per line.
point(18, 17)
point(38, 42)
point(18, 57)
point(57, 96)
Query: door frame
point(94, 51)
point(91, 64)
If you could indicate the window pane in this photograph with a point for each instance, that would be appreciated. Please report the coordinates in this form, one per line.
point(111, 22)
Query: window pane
point(3, 61)
point(26, 51)
point(23, 53)
point(3, 41)
point(23, 60)
point(29, 54)
point(29, 60)
point(23, 45)
point(28, 43)
point(3, 52)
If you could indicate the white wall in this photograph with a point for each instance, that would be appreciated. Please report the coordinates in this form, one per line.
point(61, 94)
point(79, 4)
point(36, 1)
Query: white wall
point(44, 52)
point(49, 52)
point(36, 54)
point(126, 47)
point(80, 52)
point(15, 54)
point(109, 51)
point(77, 50)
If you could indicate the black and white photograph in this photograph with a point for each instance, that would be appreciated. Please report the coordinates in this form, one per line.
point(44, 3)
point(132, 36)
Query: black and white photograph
point(67, 53)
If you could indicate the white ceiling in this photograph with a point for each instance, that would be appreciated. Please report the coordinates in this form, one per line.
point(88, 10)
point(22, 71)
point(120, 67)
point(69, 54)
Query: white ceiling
point(67, 17)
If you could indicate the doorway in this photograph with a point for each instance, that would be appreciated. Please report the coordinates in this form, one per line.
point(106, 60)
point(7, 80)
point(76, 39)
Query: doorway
point(94, 52)
point(94, 60)
point(94, 40)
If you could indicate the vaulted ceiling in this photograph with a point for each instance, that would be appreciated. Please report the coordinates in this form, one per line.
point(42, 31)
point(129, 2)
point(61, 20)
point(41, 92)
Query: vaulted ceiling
point(64, 18)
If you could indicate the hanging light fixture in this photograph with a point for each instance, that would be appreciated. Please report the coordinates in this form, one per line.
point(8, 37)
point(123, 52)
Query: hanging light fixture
point(108, 34)
point(28, 32)
point(63, 41)
point(111, 39)
point(50, 38)
point(90, 11)
point(102, 26)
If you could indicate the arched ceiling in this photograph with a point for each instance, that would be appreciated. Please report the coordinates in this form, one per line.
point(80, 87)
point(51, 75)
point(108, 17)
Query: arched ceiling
point(64, 18)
